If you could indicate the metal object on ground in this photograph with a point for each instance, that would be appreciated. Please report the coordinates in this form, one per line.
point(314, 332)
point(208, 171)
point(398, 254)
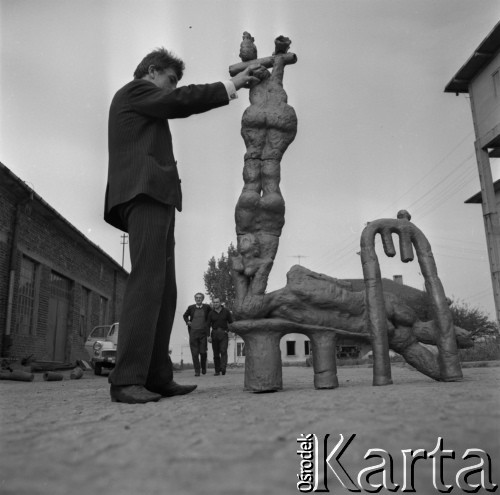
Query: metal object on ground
point(18, 376)
point(76, 374)
point(50, 376)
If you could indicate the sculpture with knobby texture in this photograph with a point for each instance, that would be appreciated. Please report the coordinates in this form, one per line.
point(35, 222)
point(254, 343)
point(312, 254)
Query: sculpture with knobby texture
point(313, 304)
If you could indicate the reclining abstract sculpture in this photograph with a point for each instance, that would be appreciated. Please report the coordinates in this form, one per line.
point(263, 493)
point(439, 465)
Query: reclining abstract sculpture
point(316, 305)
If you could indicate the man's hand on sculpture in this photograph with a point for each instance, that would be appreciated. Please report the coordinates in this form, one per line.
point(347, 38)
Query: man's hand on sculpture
point(246, 78)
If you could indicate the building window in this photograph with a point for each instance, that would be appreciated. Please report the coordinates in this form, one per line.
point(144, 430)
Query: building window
point(103, 310)
point(85, 312)
point(307, 347)
point(27, 297)
point(496, 83)
point(240, 349)
point(60, 287)
point(290, 347)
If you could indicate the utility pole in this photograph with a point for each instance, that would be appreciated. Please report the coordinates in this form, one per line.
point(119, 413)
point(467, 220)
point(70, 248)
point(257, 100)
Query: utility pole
point(299, 257)
point(123, 242)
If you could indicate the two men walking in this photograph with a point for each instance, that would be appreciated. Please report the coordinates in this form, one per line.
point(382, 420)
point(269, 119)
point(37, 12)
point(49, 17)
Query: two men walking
point(200, 318)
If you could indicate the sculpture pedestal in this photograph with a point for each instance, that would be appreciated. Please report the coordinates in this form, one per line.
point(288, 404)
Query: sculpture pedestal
point(324, 357)
point(263, 367)
point(263, 361)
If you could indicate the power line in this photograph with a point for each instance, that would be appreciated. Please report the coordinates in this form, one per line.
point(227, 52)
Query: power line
point(431, 171)
point(451, 184)
point(430, 200)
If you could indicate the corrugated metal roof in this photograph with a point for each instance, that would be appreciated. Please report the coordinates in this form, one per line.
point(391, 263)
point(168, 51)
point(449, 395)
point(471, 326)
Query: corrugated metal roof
point(483, 54)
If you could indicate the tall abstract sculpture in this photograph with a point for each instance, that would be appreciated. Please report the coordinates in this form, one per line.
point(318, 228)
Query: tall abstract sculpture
point(268, 127)
point(316, 305)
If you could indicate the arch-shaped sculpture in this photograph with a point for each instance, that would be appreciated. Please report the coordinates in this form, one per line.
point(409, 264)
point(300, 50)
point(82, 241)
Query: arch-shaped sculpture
point(409, 235)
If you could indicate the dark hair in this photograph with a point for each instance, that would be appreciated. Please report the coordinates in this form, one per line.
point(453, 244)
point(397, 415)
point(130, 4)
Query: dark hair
point(162, 59)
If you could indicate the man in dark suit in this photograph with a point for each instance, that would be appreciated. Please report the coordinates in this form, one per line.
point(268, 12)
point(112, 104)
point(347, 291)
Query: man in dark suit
point(196, 318)
point(219, 319)
point(142, 193)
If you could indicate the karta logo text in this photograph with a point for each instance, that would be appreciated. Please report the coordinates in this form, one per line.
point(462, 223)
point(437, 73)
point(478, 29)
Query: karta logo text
point(322, 464)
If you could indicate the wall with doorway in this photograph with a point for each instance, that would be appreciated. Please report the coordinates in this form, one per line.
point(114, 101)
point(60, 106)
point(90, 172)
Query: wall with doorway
point(55, 284)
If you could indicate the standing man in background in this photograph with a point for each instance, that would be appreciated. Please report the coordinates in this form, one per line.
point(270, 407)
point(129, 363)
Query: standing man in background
point(196, 318)
point(219, 319)
point(142, 194)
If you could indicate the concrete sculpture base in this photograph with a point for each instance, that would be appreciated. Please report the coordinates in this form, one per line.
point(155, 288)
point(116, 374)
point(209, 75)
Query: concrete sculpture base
point(263, 356)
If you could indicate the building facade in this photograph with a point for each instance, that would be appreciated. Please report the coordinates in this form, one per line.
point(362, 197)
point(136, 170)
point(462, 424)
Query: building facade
point(55, 284)
point(480, 78)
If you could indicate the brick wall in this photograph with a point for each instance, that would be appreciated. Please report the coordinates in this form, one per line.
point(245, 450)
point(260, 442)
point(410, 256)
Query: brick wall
point(55, 247)
point(7, 215)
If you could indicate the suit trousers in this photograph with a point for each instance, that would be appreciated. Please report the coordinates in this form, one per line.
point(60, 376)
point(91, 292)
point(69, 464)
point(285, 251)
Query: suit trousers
point(198, 345)
point(220, 342)
point(150, 295)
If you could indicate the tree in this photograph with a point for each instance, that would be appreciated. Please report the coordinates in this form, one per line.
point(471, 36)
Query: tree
point(472, 319)
point(464, 315)
point(218, 280)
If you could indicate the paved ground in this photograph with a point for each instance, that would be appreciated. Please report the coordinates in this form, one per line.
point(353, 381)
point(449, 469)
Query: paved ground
point(68, 438)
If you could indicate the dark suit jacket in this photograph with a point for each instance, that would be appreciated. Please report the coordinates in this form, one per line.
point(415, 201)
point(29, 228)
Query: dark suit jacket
point(188, 315)
point(141, 158)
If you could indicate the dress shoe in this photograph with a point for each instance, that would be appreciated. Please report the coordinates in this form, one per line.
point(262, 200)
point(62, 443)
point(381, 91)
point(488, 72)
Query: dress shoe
point(132, 394)
point(171, 389)
point(197, 373)
point(223, 372)
point(216, 374)
point(203, 372)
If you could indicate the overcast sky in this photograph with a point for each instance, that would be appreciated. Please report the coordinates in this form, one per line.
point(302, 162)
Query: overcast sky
point(376, 132)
